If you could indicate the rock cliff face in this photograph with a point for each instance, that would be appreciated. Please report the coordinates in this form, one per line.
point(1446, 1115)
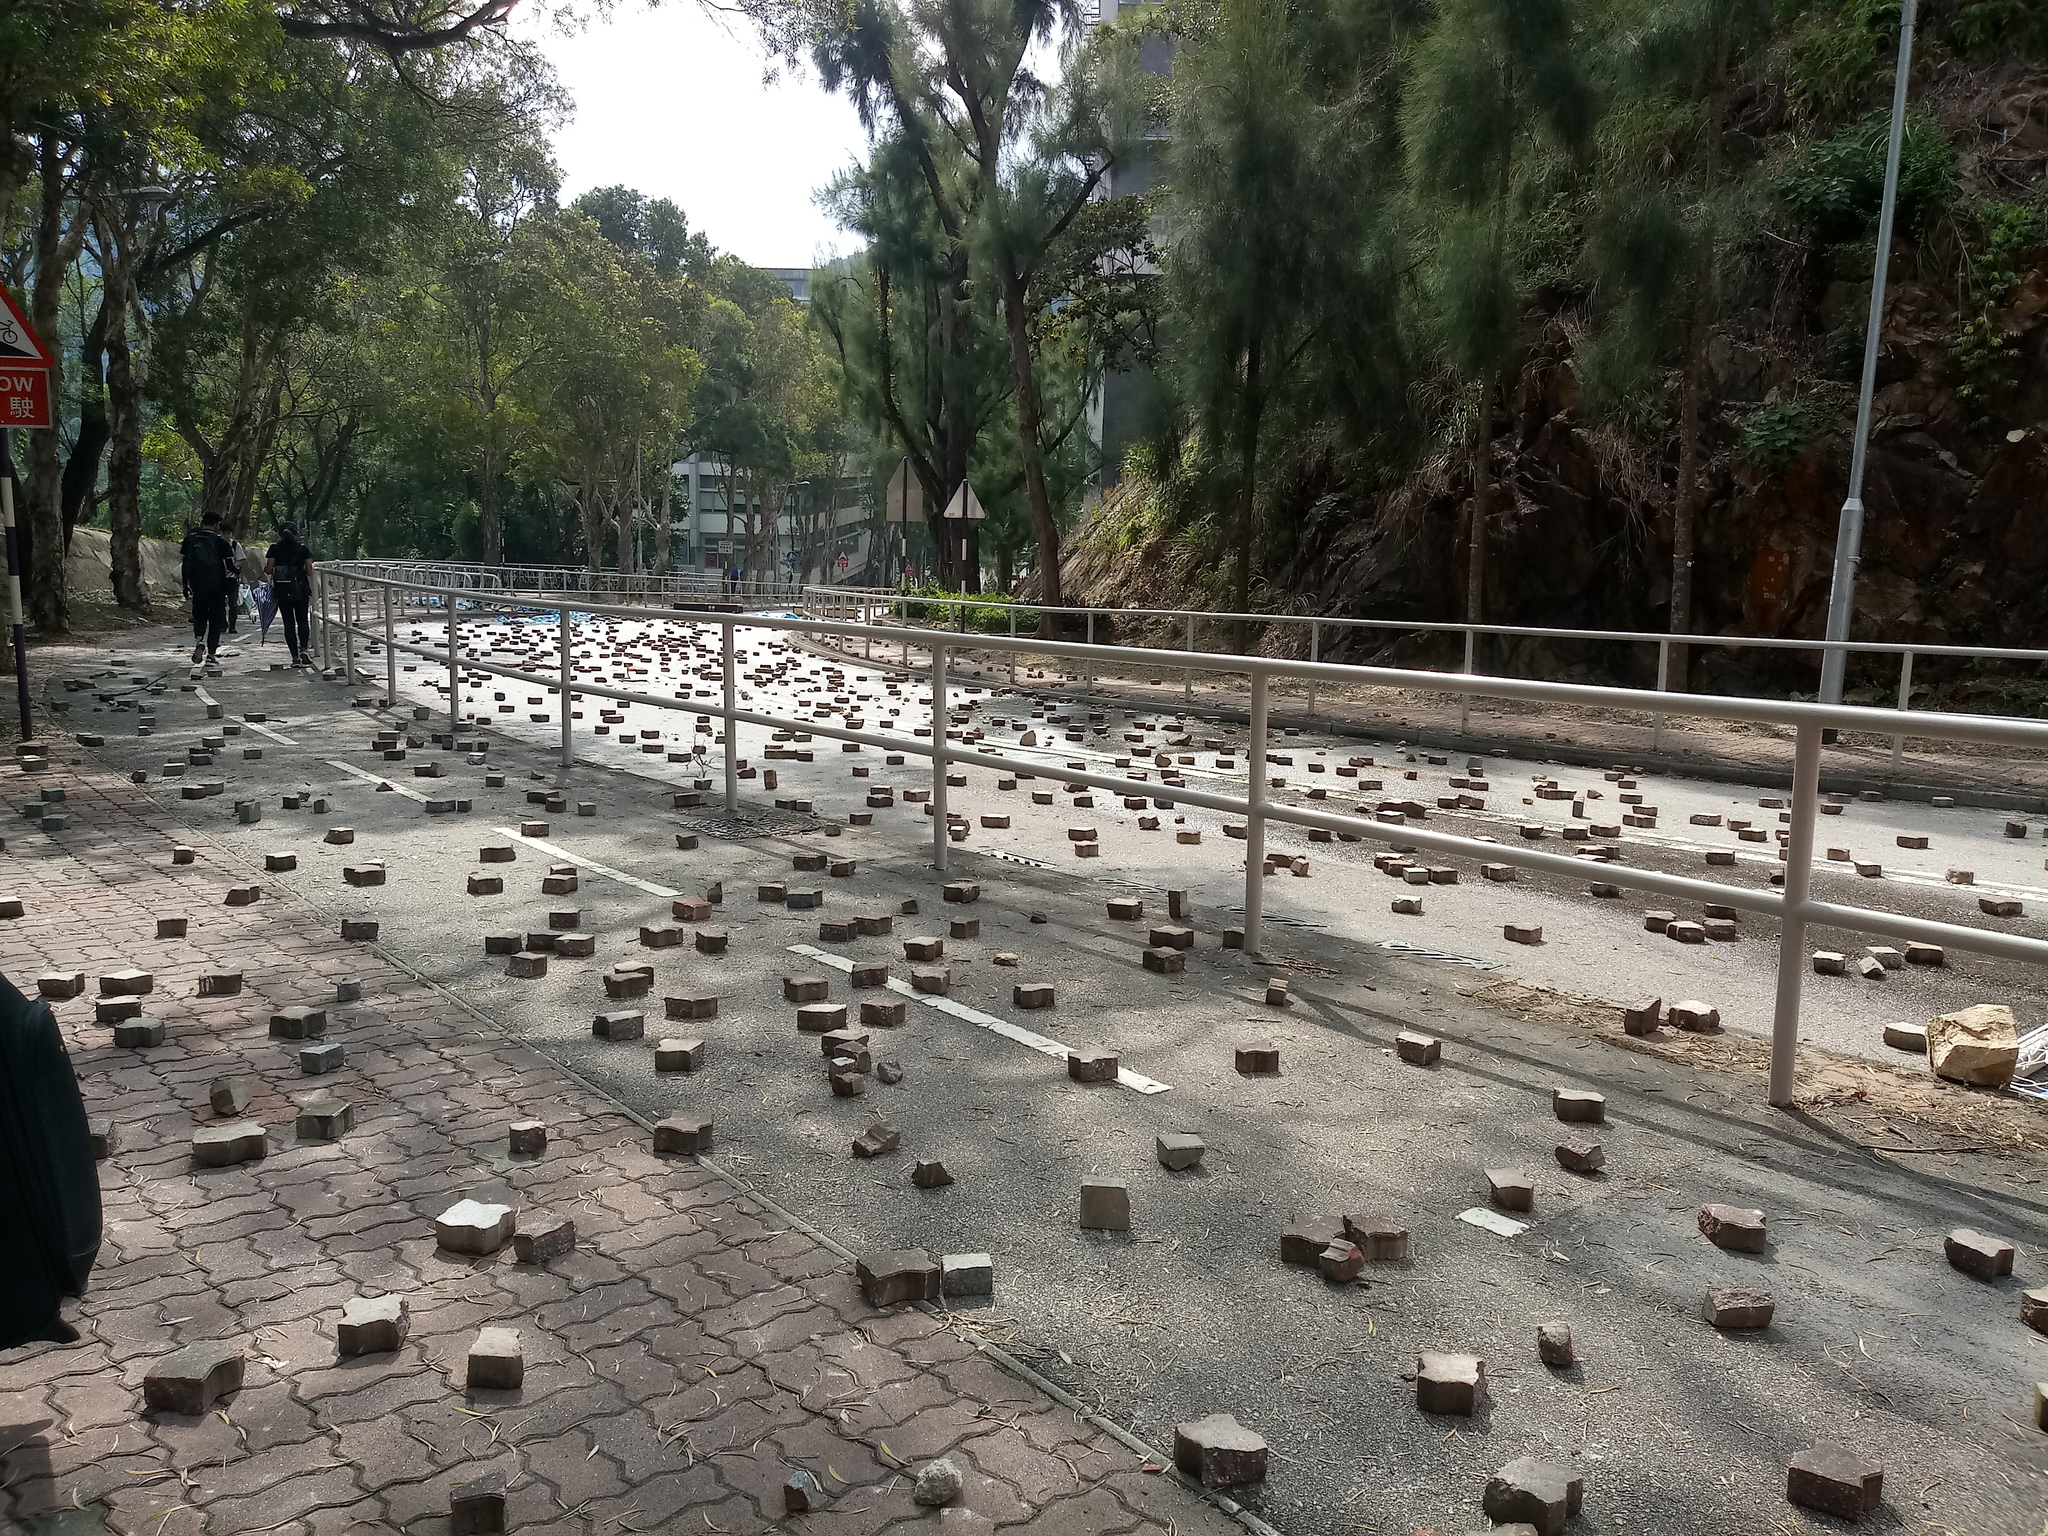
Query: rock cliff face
point(1955, 547)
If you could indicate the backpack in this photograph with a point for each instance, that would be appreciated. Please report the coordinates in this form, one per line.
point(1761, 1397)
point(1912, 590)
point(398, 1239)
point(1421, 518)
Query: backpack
point(201, 559)
point(288, 573)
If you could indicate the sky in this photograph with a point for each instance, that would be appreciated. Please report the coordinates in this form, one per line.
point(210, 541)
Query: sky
point(670, 101)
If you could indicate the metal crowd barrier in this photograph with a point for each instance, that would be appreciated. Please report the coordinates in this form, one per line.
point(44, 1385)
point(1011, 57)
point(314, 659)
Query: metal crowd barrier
point(1794, 907)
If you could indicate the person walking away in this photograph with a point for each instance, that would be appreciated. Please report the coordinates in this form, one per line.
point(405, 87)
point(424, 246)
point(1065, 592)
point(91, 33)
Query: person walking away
point(207, 575)
point(289, 565)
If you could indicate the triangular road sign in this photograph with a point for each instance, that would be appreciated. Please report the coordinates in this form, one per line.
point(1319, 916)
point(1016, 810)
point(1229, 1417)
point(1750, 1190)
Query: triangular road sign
point(965, 504)
point(903, 502)
point(19, 344)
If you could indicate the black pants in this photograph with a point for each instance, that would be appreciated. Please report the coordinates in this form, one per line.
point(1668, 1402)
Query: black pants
point(209, 617)
point(297, 631)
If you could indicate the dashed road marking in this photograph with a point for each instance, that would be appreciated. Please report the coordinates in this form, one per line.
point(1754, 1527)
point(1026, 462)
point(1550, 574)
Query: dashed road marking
point(1135, 1081)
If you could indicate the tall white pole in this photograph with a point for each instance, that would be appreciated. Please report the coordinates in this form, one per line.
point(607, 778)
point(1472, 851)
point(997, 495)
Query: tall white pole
point(1849, 535)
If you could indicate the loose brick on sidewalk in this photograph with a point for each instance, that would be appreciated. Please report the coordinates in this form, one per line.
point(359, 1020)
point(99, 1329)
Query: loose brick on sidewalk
point(686, 1323)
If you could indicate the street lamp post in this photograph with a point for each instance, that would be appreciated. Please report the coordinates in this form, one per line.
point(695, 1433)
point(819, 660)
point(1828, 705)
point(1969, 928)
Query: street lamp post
point(1849, 535)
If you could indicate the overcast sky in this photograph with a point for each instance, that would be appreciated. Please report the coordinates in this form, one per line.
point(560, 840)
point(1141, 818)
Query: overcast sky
point(671, 101)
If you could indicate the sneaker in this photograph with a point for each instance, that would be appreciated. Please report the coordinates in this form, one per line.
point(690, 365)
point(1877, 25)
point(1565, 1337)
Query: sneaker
point(212, 660)
point(198, 653)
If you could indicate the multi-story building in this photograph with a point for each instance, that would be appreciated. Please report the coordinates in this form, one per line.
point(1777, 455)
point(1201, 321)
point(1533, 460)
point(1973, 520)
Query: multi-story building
point(821, 534)
point(1126, 403)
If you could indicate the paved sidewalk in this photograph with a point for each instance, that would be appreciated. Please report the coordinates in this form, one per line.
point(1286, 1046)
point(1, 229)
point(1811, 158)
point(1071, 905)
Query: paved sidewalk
point(689, 1354)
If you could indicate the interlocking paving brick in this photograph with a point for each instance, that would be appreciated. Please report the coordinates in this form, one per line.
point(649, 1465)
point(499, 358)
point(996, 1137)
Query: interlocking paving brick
point(194, 1378)
point(1734, 1228)
point(280, 1250)
point(1534, 1493)
point(1219, 1452)
point(1449, 1383)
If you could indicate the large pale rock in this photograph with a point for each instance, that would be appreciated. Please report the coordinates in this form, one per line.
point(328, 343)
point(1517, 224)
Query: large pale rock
point(1979, 1045)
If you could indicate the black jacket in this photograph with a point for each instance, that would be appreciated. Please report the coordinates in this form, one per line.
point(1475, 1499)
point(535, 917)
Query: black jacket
point(49, 1184)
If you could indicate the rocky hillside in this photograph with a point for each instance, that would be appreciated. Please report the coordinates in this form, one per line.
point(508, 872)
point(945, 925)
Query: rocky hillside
point(1956, 542)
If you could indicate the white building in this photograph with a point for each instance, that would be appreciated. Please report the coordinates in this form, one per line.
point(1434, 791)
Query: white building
point(821, 535)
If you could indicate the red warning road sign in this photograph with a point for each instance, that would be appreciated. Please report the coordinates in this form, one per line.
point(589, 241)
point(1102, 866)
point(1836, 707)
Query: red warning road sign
point(24, 397)
point(24, 369)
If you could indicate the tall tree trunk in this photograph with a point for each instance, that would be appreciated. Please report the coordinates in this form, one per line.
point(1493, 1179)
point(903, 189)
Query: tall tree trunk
point(664, 527)
point(1685, 495)
point(1244, 517)
point(490, 507)
point(1482, 499)
point(82, 467)
point(124, 469)
point(42, 524)
point(1030, 438)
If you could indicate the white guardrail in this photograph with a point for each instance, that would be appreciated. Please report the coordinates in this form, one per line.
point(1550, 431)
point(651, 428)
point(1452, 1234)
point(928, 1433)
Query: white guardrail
point(344, 590)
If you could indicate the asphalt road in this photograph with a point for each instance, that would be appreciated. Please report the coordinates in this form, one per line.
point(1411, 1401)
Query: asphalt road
point(1876, 1342)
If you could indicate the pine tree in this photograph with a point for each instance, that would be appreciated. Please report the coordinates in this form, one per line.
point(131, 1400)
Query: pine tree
point(1671, 226)
point(1493, 79)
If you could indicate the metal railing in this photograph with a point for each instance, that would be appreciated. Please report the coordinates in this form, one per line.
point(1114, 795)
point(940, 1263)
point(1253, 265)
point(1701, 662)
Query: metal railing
point(346, 586)
point(895, 608)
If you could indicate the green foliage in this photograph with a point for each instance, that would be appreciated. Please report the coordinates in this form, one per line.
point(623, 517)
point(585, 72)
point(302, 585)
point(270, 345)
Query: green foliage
point(1838, 53)
point(1989, 29)
point(1837, 184)
point(989, 613)
point(1775, 436)
point(1986, 350)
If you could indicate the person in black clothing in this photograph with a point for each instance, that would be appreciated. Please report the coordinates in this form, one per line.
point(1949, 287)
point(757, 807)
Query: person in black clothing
point(289, 565)
point(49, 1185)
point(206, 571)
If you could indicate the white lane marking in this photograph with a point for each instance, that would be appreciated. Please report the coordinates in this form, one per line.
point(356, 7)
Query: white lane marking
point(370, 778)
point(263, 730)
point(1137, 1082)
point(581, 862)
point(1494, 1222)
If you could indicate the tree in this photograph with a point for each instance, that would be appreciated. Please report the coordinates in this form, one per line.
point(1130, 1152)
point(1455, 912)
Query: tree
point(1671, 225)
point(1274, 233)
point(921, 354)
point(487, 297)
point(1007, 164)
point(620, 377)
point(1492, 78)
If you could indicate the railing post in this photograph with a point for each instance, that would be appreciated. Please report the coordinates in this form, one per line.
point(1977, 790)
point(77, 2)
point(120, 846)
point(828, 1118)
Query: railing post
point(454, 668)
point(941, 837)
point(1465, 699)
point(1315, 648)
point(1187, 677)
point(732, 726)
point(1663, 683)
point(1088, 677)
point(1013, 650)
point(326, 626)
point(390, 653)
point(1905, 702)
point(565, 634)
point(1792, 959)
point(1255, 817)
point(348, 630)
